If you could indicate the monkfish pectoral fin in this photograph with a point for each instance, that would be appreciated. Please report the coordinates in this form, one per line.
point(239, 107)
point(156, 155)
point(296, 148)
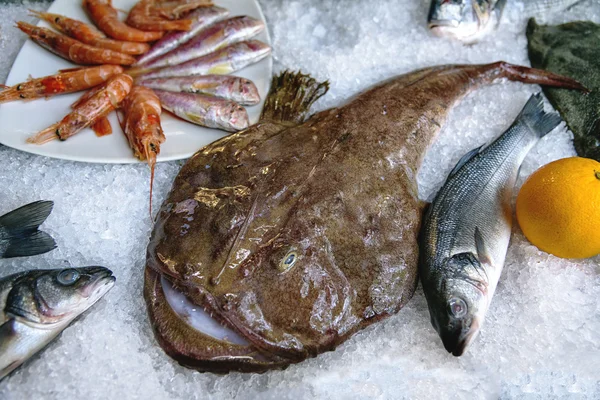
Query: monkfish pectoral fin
point(482, 251)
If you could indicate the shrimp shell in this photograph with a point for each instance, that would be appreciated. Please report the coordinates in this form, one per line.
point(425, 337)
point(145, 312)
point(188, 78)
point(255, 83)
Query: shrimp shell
point(176, 9)
point(102, 127)
point(64, 82)
point(89, 35)
point(107, 19)
point(85, 113)
point(141, 17)
point(71, 49)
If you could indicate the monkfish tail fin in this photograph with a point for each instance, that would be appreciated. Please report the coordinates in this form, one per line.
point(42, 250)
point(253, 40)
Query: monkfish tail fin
point(523, 74)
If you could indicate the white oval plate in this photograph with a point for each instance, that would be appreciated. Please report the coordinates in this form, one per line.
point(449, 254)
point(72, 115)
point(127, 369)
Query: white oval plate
point(19, 119)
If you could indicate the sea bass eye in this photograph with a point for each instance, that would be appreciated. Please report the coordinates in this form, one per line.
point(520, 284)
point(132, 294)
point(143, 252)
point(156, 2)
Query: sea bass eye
point(67, 277)
point(458, 308)
point(288, 261)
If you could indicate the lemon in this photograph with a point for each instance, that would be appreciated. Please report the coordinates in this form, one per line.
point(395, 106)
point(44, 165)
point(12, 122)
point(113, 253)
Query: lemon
point(558, 208)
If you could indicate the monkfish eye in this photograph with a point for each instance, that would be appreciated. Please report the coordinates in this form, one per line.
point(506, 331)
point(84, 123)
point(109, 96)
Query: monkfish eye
point(288, 261)
point(67, 277)
point(458, 308)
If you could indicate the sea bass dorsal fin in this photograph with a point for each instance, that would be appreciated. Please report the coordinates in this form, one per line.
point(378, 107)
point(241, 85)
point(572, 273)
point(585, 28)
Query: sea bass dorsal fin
point(482, 251)
point(291, 96)
point(464, 160)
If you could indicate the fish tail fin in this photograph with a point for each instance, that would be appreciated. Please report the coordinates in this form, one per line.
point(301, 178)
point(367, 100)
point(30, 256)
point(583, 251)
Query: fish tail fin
point(536, 119)
point(21, 230)
point(291, 96)
point(519, 73)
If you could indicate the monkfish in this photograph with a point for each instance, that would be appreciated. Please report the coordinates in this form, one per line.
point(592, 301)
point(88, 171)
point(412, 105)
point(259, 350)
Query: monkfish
point(279, 242)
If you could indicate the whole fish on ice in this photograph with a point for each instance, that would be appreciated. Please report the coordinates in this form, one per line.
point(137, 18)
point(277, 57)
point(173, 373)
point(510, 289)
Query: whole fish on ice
point(19, 234)
point(466, 229)
point(279, 242)
point(36, 306)
point(202, 18)
point(470, 20)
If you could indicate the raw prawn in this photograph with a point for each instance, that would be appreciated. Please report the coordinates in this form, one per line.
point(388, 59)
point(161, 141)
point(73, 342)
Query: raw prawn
point(107, 19)
point(176, 9)
point(71, 49)
point(101, 126)
point(86, 111)
point(142, 128)
point(67, 81)
point(89, 35)
point(151, 16)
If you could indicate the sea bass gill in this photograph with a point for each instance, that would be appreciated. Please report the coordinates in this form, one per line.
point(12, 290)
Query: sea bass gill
point(279, 242)
point(466, 229)
point(36, 306)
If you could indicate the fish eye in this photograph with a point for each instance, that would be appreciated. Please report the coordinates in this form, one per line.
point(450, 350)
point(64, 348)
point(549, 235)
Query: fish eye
point(458, 307)
point(288, 261)
point(67, 277)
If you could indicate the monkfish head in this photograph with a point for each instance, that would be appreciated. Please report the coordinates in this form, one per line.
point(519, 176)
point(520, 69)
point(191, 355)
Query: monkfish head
point(244, 291)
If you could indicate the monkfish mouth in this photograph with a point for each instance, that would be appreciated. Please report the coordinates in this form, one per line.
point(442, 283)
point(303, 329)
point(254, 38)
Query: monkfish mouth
point(199, 317)
point(198, 336)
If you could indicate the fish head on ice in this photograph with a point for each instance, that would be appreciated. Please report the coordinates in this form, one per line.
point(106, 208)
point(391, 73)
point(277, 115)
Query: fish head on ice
point(460, 303)
point(58, 295)
point(282, 294)
point(465, 20)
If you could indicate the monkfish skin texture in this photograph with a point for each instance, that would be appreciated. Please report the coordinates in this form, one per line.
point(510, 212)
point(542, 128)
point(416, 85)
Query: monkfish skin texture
point(296, 235)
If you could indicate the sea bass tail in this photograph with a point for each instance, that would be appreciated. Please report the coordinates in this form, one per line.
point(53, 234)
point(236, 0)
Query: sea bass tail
point(21, 229)
point(291, 96)
point(519, 73)
point(533, 115)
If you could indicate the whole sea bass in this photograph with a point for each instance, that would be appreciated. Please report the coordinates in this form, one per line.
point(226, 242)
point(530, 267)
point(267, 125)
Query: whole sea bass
point(288, 237)
point(19, 234)
point(471, 20)
point(36, 306)
point(466, 229)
